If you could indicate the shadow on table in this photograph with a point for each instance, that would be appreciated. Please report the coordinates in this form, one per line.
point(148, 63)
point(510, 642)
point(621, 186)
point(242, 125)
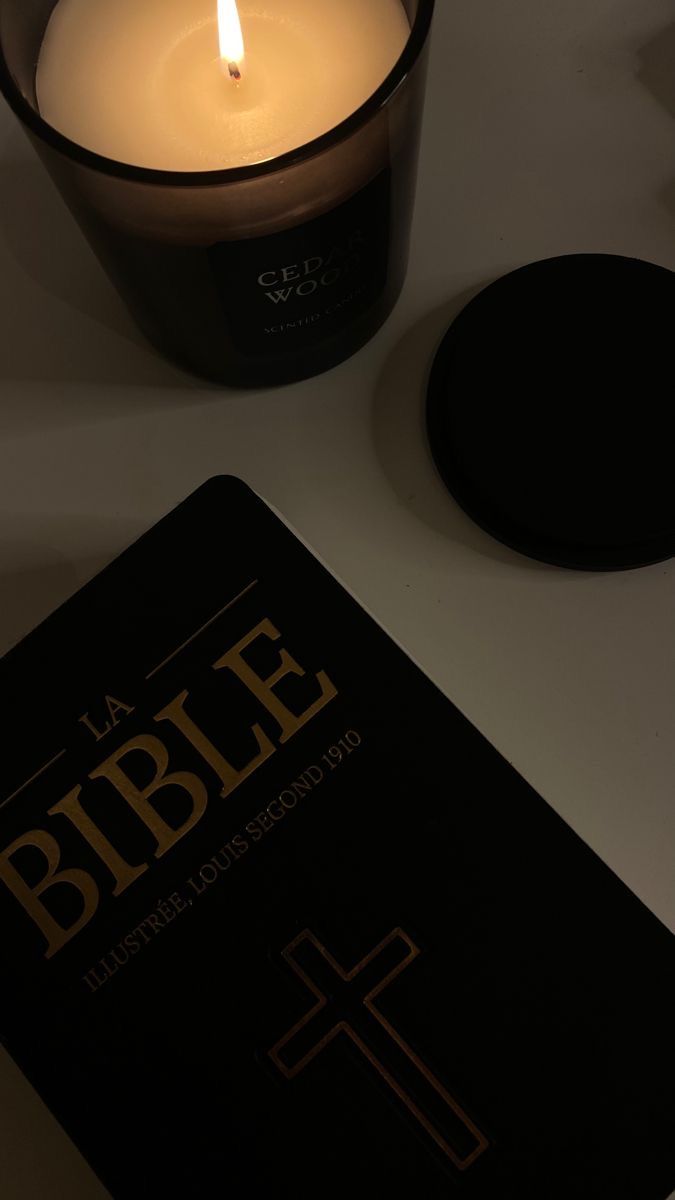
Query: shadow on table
point(668, 196)
point(30, 594)
point(36, 577)
point(400, 437)
point(656, 73)
point(657, 67)
point(43, 342)
point(36, 1157)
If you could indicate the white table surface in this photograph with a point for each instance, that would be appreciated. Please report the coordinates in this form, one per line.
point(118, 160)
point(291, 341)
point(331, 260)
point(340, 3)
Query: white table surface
point(549, 130)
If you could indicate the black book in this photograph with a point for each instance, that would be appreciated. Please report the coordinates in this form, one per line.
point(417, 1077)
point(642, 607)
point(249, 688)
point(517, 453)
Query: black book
point(278, 921)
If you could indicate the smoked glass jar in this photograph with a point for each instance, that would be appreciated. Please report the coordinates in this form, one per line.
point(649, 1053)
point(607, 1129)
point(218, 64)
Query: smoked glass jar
point(254, 275)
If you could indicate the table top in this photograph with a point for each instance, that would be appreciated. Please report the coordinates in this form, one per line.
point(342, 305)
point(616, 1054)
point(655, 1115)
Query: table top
point(549, 130)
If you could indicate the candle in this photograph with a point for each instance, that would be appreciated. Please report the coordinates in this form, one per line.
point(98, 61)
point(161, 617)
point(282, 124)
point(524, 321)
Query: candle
point(244, 169)
point(151, 83)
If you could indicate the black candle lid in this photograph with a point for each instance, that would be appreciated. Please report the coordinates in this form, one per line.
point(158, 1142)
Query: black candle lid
point(549, 411)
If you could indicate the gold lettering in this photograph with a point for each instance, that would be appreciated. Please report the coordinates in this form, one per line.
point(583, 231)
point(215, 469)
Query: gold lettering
point(123, 872)
point(288, 721)
point(29, 897)
point(113, 707)
point(116, 706)
point(165, 835)
point(229, 777)
point(99, 734)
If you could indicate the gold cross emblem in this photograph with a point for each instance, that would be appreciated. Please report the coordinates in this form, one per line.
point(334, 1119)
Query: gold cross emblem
point(409, 1078)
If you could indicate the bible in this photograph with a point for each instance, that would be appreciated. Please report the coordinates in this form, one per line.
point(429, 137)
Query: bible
point(278, 921)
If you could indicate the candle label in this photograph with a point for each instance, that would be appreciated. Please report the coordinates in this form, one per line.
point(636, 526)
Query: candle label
point(295, 289)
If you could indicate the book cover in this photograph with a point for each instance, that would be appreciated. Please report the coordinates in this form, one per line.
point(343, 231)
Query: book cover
point(278, 921)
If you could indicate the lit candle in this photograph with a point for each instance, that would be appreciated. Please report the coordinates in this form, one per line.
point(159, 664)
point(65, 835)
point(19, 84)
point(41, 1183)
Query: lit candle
point(182, 85)
point(244, 169)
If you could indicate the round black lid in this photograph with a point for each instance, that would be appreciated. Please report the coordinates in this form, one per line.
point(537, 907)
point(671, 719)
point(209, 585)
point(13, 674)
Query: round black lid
point(549, 411)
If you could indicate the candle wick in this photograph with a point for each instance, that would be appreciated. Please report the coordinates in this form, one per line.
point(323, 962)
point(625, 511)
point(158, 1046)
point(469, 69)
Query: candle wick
point(235, 73)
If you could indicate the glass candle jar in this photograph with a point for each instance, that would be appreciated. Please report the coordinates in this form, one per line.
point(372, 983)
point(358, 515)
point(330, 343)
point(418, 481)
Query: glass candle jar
point(254, 275)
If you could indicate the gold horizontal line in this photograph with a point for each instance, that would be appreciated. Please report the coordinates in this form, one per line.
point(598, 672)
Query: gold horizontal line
point(205, 626)
point(168, 659)
point(34, 777)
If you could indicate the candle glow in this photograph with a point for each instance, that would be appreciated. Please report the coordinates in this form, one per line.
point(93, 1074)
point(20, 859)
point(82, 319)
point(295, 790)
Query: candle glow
point(158, 83)
point(231, 37)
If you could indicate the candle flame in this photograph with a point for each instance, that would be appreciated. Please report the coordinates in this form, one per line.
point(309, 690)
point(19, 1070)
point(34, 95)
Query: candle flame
point(231, 37)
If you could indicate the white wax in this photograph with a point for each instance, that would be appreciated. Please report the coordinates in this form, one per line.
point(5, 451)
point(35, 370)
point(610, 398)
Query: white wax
point(141, 81)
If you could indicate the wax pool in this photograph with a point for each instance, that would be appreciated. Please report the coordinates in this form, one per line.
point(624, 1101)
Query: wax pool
point(142, 82)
